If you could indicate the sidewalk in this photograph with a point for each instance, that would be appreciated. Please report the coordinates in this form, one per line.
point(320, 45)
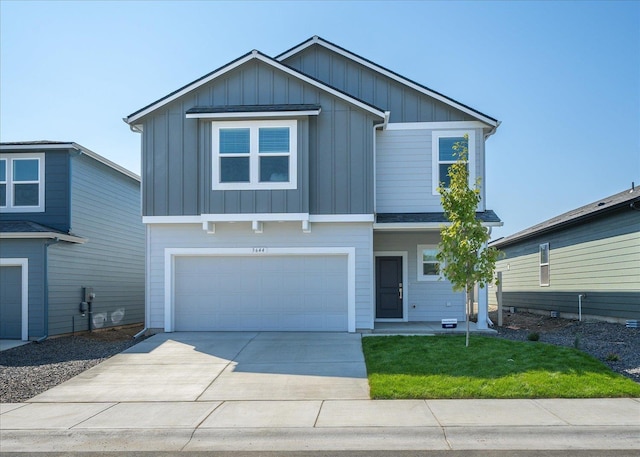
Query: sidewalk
point(544, 424)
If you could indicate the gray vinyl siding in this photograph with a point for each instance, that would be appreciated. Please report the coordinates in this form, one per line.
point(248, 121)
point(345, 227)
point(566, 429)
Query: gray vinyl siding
point(404, 171)
point(433, 300)
point(238, 235)
point(336, 146)
point(106, 211)
point(56, 213)
point(34, 251)
point(600, 258)
point(406, 104)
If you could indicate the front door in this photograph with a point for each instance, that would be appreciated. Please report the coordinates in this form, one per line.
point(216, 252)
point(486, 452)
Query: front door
point(389, 287)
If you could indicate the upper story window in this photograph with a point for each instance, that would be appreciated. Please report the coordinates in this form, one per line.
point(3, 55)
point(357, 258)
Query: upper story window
point(22, 183)
point(254, 155)
point(444, 155)
point(428, 264)
point(544, 264)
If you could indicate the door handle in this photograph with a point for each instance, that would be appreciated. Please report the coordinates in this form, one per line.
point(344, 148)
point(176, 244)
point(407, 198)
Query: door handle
point(400, 291)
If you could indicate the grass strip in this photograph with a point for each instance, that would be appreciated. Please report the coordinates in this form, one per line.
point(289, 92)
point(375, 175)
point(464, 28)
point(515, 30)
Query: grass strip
point(437, 367)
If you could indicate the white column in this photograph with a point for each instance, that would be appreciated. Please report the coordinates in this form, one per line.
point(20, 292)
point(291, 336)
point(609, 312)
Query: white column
point(483, 304)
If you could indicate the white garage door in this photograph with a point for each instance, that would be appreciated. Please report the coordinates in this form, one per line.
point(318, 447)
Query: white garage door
point(268, 293)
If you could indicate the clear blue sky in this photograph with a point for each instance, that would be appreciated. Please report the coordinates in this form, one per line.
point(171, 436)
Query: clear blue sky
point(563, 77)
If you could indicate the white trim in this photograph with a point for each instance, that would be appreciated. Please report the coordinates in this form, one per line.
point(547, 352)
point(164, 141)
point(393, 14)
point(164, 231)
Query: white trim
point(251, 114)
point(227, 68)
point(389, 74)
point(405, 284)
point(264, 217)
point(254, 155)
point(461, 125)
point(341, 218)
point(9, 183)
point(38, 235)
point(23, 263)
point(435, 159)
point(419, 275)
point(169, 268)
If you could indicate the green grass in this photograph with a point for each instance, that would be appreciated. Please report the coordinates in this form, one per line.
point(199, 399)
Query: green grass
point(442, 367)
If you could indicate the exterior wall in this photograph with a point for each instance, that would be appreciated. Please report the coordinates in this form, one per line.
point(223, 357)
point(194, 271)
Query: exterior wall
point(281, 235)
point(56, 181)
point(336, 146)
point(404, 180)
point(34, 250)
point(106, 211)
point(600, 258)
point(405, 104)
point(433, 300)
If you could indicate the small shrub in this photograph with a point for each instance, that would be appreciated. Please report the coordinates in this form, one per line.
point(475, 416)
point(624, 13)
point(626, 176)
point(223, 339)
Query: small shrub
point(533, 336)
point(612, 357)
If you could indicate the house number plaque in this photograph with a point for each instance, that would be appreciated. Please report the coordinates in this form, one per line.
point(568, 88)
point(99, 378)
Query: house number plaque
point(259, 250)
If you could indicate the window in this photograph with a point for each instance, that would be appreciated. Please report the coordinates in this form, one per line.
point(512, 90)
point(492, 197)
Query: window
point(444, 155)
point(22, 183)
point(428, 265)
point(254, 155)
point(544, 264)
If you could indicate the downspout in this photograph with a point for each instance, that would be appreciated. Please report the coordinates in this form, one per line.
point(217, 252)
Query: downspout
point(45, 274)
point(489, 321)
point(383, 125)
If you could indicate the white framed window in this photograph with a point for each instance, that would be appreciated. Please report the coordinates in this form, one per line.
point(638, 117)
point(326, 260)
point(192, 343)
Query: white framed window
point(544, 264)
point(444, 155)
point(22, 183)
point(250, 155)
point(428, 265)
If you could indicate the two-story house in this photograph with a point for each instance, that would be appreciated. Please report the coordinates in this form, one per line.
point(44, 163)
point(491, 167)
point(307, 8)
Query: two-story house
point(71, 241)
point(298, 193)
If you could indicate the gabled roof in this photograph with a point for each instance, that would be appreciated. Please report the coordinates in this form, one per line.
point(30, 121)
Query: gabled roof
point(629, 198)
point(253, 55)
point(47, 144)
point(391, 74)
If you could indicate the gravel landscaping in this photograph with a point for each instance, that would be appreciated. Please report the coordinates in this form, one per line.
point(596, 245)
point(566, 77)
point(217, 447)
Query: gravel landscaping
point(31, 369)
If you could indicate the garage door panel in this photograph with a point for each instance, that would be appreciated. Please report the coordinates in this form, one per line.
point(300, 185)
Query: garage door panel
point(261, 293)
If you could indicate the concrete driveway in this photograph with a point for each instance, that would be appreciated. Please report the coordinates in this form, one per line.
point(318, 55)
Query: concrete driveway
point(223, 366)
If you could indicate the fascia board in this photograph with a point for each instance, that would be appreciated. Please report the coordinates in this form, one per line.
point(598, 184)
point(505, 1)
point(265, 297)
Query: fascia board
point(249, 114)
point(236, 63)
point(43, 235)
point(423, 225)
point(388, 73)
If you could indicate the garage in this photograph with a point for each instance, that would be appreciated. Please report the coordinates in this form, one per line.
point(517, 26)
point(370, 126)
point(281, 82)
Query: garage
point(11, 302)
point(261, 293)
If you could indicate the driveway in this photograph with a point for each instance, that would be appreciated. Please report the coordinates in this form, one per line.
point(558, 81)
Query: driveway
point(222, 366)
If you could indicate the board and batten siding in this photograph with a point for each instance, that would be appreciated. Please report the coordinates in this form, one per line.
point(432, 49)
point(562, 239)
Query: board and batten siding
point(404, 171)
point(406, 104)
point(56, 191)
point(34, 251)
point(275, 235)
point(433, 300)
point(335, 162)
point(600, 258)
point(106, 211)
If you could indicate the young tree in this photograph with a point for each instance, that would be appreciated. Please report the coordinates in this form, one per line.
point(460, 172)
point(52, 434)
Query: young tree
point(463, 261)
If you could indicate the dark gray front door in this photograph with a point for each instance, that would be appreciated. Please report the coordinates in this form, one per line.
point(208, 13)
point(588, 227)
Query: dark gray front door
point(389, 287)
point(11, 303)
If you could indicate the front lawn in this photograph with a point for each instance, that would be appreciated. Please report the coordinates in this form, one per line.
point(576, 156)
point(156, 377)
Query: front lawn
point(442, 367)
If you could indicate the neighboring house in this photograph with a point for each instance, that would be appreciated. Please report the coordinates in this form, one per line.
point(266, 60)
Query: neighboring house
point(299, 193)
point(69, 219)
point(585, 261)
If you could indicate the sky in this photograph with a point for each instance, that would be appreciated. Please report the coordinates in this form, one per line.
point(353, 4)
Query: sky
point(562, 77)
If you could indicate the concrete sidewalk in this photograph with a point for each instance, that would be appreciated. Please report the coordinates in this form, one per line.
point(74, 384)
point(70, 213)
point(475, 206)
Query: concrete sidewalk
point(285, 392)
point(545, 424)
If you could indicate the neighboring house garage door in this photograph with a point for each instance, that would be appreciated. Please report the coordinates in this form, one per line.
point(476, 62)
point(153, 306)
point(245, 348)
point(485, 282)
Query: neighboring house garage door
point(268, 293)
point(11, 302)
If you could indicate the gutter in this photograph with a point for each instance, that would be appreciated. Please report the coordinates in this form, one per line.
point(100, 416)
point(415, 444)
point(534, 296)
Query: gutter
point(45, 275)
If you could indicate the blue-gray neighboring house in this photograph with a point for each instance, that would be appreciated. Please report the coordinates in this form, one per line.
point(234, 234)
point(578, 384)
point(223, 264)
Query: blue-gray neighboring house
point(70, 227)
point(582, 263)
point(299, 193)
